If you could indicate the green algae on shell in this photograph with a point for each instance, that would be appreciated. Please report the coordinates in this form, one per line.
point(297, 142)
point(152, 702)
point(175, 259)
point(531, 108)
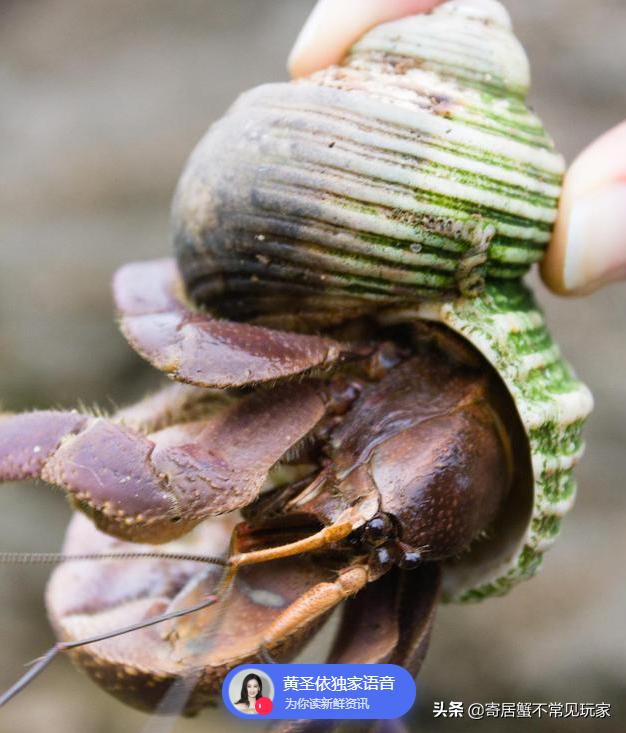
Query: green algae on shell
point(413, 170)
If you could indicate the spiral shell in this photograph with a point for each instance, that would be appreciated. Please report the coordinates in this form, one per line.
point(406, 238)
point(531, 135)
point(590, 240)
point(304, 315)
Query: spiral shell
point(411, 182)
point(412, 170)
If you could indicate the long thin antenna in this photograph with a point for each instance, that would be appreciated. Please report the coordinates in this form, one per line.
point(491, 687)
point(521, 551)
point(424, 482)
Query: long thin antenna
point(40, 664)
point(58, 557)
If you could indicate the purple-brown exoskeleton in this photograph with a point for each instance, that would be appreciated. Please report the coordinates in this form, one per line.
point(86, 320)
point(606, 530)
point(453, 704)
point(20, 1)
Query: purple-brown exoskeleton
point(360, 461)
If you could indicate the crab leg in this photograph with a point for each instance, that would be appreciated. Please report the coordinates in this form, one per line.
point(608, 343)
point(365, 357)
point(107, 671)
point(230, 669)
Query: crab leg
point(275, 606)
point(157, 487)
point(388, 622)
point(316, 602)
point(317, 541)
point(177, 403)
point(192, 346)
point(28, 440)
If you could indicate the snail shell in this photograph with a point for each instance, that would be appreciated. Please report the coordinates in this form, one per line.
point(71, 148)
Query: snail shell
point(411, 181)
point(413, 170)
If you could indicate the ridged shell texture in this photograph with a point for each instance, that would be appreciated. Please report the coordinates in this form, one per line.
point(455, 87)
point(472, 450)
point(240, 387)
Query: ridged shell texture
point(413, 170)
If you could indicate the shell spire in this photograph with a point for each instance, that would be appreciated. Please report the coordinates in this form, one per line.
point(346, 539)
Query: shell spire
point(470, 42)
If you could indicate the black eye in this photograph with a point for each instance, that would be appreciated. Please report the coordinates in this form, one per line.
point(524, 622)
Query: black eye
point(379, 530)
point(410, 560)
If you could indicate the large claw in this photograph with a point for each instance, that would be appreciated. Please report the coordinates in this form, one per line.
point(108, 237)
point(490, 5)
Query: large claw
point(194, 347)
point(155, 487)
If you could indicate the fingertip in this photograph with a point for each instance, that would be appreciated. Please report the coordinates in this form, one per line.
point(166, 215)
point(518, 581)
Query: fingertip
point(588, 249)
point(309, 50)
point(334, 25)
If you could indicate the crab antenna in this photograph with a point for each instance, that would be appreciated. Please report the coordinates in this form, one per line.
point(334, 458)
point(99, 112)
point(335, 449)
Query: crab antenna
point(40, 664)
point(58, 557)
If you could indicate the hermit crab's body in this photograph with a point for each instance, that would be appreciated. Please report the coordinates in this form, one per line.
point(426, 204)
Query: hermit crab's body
point(367, 378)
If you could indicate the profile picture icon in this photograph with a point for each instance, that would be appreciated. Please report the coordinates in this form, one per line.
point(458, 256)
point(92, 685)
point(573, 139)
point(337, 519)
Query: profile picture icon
point(251, 692)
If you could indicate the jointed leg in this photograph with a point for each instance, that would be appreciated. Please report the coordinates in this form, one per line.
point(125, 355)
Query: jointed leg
point(389, 621)
point(314, 603)
point(325, 537)
point(152, 488)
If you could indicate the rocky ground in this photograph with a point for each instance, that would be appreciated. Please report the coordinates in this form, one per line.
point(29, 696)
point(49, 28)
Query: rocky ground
point(101, 103)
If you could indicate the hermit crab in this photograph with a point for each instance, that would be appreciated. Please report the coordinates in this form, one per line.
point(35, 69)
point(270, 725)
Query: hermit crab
point(359, 371)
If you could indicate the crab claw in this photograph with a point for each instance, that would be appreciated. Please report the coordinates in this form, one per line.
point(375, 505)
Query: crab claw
point(193, 347)
point(156, 487)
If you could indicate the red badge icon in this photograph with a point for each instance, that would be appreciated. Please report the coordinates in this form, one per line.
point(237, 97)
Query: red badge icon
point(263, 706)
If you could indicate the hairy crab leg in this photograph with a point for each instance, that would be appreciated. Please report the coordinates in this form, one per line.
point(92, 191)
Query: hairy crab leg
point(316, 602)
point(391, 620)
point(157, 487)
point(172, 405)
point(28, 440)
point(192, 346)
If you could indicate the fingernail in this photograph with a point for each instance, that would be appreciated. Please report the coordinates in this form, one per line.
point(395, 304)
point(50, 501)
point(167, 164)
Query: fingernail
point(596, 239)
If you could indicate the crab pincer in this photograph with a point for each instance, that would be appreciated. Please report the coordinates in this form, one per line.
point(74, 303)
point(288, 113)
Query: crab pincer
point(157, 486)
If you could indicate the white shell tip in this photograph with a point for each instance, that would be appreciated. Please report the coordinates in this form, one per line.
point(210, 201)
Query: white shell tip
point(486, 10)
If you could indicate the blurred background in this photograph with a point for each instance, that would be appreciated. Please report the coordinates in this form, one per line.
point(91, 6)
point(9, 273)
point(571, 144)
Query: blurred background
point(101, 102)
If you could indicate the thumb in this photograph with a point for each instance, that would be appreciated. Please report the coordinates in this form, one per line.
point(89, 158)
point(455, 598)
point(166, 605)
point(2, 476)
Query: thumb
point(334, 25)
point(588, 249)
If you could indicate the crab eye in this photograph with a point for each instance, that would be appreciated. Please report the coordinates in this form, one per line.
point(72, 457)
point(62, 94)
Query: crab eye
point(410, 560)
point(379, 530)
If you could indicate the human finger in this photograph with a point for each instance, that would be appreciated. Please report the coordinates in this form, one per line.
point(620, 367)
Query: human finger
point(334, 25)
point(588, 249)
